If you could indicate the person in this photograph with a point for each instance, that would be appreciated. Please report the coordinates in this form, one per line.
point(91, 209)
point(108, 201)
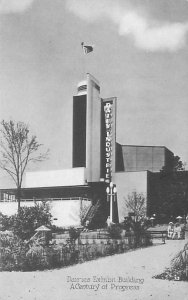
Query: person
point(108, 222)
point(170, 230)
point(177, 231)
point(86, 228)
point(186, 220)
point(182, 225)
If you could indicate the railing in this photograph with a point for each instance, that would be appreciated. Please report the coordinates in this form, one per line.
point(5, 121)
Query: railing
point(46, 199)
point(92, 212)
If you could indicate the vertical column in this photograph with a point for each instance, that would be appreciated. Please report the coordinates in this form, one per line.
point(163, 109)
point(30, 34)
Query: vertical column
point(93, 130)
point(79, 131)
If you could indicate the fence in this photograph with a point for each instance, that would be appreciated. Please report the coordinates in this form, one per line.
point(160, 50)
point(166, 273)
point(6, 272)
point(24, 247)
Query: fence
point(34, 199)
point(88, 249)
point(39, 257)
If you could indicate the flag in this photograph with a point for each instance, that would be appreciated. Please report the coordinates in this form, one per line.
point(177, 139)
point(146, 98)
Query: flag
point(86, 48)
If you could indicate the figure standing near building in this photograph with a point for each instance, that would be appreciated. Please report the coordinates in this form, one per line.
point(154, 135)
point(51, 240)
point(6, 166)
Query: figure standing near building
point(170, 230)
point(108, 222)
point(186, 219)
point(86, 227)
point(177, 231)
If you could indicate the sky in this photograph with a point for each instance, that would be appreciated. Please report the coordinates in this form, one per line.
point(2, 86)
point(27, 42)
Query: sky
point(140, 56)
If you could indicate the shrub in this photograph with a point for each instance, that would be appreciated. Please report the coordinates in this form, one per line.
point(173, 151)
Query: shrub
point(6, 223)
point(27, 220)
point(12, 252)
point(58, 229)
point(36, 259)
point(18, 255)
point(177, 271)
point(115, 231)
point(73, 233)
point(178, 263)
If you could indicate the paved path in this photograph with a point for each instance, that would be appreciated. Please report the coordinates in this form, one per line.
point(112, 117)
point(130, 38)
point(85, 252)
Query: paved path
point(123, 276)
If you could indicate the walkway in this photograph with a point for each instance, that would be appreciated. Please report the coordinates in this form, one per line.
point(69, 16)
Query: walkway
point(101, 279)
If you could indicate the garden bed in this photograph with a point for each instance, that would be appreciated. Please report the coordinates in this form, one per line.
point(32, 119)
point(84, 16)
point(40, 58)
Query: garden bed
point(179, 267)
point(17, 255)
point(175, 274)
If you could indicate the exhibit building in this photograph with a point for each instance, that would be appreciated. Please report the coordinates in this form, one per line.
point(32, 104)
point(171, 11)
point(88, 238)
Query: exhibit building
point(103, 171)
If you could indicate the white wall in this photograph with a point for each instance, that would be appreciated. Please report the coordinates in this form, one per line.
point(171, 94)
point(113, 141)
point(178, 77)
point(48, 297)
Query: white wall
point(11, 208)
point(67, 212)
point(66, 177)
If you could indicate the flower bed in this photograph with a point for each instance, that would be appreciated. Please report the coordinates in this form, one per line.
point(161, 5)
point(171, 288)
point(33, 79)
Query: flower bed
point(173, 274)
point(16, 255)
point(179, 264)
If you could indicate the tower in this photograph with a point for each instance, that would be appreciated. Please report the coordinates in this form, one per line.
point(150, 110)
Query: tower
point(87, 128)
point(94, 131)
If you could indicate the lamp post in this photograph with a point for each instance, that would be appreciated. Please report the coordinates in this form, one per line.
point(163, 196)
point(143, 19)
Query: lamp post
point(111, 196)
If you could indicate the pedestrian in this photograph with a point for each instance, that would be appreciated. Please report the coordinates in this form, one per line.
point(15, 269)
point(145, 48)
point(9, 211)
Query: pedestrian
point(108, 222)
point(170, 230)
point(177, 231)
point(186, 219)
point(86, 228)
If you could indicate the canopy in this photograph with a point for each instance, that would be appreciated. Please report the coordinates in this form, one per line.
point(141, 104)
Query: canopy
point(42, 228)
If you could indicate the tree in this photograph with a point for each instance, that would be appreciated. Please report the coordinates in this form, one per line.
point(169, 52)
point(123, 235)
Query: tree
point(18, 148)
point(173, 189)
point(30, 218)
point(175, 165)
point(178, 165)
point(136, 203)
point(172, 193)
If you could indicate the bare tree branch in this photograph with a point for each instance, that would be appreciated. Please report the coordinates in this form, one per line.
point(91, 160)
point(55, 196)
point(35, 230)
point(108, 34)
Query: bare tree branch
point(136, 203)
point(17, 150)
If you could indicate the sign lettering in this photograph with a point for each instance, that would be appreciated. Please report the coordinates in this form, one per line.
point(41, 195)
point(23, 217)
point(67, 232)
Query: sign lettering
point(108, 140)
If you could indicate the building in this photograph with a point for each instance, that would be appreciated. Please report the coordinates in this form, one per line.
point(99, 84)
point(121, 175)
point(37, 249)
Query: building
point(145, 158)
point(97, 162)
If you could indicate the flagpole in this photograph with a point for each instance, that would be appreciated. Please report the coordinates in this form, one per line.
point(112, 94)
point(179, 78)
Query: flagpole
point(83, 61)
point(86, 49)
point(83, 65)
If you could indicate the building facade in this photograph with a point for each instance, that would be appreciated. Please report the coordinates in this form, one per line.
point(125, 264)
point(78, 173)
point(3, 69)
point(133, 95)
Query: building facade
point(98, 162)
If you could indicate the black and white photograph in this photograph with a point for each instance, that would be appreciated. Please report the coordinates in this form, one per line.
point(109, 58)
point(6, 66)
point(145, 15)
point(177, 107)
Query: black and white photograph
point(93, 149)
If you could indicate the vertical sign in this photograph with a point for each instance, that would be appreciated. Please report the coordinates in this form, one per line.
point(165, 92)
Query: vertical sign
point(109, 138)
